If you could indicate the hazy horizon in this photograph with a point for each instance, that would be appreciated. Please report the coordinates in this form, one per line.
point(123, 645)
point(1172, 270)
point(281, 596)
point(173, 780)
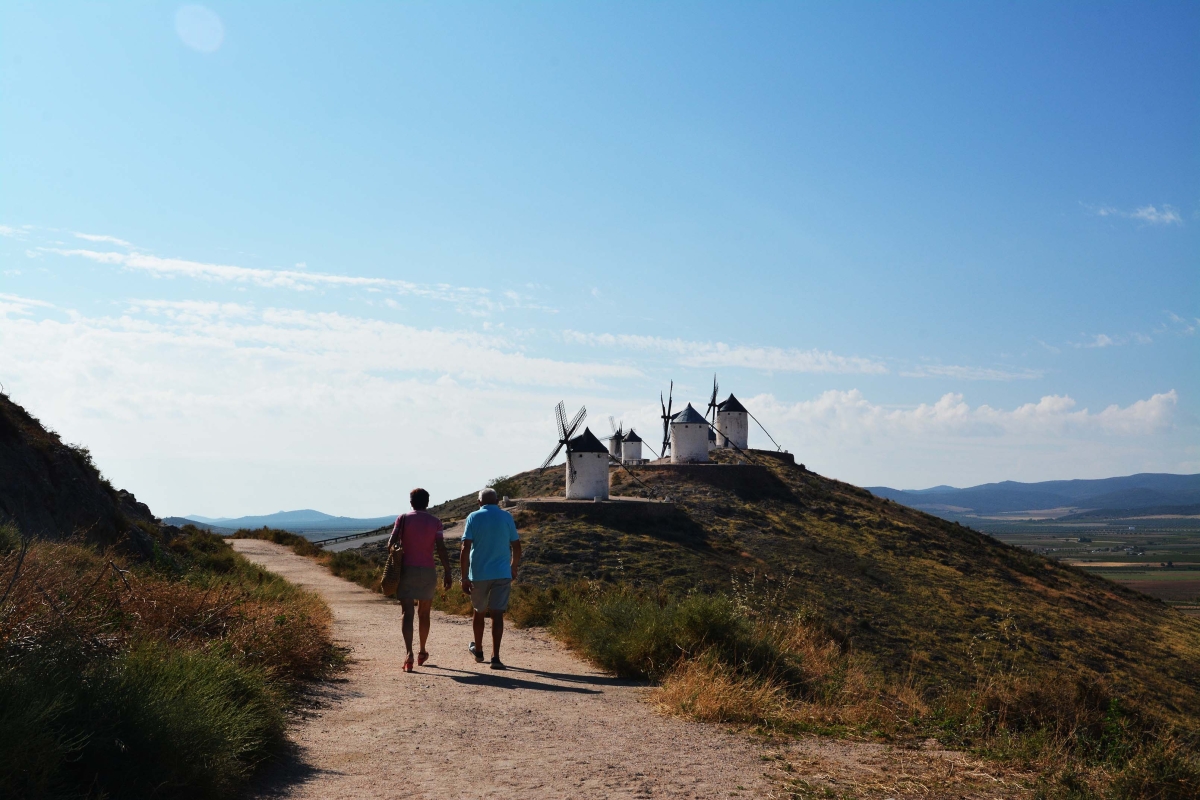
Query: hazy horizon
point(301, 256)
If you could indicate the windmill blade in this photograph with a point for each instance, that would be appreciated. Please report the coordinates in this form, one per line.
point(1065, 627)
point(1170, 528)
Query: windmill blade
point(575, 423)
point(553, 455)
point(560, 413)
point(612, 423)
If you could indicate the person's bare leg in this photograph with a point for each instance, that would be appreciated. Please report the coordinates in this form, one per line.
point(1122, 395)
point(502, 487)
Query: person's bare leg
point(477, 623)
point(423, 607)
point(497, 632)
point(407, 627)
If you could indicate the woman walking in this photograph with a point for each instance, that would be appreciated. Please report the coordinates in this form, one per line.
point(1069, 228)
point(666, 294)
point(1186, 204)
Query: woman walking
point(418, 533)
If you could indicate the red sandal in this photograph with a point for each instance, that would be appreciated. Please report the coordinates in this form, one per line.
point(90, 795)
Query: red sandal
point(408, 663)
point(422, 657)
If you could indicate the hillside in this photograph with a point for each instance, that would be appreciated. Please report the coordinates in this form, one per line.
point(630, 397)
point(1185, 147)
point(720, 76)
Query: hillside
point(136, 660)
point(921, 596)
point(53, 490)
point(1130, 492)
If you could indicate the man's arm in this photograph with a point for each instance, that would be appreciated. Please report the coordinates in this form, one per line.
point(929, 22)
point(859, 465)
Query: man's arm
point(394, 539)
point(464, 564)
point(445, 558)
point(516, 557)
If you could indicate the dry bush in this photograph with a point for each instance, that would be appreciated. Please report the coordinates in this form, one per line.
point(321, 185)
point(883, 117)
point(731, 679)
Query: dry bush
point(98, 600)
point(166, 678)
point(709, 690)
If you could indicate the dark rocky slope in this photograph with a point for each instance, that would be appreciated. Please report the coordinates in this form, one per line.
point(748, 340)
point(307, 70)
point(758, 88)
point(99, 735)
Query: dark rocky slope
point(52, 490)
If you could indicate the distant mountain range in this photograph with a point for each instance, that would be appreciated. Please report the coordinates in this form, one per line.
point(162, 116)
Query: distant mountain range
point(303, 521)
point(1132, 495)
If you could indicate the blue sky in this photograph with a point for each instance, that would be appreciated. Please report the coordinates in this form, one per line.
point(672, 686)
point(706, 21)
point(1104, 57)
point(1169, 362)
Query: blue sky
point(263, 256)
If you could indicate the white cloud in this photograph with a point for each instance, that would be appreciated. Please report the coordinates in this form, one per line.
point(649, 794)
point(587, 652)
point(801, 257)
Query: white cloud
point(1149, 214)
point(851, 413)
point(1101, 340)
point(1181, 325)
point(232, 408)
point(948, 441)
point(1168, 215)
point(470, 299)
point(719, 354)
point(96, 237)
point(971, 373)
point(279, 408)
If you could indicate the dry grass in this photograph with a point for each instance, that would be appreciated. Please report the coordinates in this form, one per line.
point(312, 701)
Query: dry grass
point(167, 677)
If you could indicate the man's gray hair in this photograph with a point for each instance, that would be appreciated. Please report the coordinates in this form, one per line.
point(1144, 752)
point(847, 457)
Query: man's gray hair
point(488, 496)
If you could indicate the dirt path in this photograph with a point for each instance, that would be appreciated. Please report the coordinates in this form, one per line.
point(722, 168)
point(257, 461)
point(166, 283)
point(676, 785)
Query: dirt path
point(549, 727)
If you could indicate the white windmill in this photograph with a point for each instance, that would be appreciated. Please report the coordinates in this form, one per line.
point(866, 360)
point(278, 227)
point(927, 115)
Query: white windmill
point(631, 448)
point(689, 437)
point(614, 441)
point(733, 424)
point(587, 467)
point(587, 458)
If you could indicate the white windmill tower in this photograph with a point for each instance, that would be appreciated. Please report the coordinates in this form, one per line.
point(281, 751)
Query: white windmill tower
point(587, 458)
point(689, 437)
point(587, 467)
point(631, 448)
point(733, 424)
point(614, 441)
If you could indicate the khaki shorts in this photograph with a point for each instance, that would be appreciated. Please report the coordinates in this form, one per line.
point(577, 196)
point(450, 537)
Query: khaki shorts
point(417, 583)
point(490, 595)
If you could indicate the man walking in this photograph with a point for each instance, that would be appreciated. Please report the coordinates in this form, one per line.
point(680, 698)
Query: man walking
point(491, 553)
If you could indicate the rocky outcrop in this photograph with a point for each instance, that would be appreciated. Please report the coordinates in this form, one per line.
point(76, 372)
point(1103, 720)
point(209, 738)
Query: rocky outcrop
point(52, 490)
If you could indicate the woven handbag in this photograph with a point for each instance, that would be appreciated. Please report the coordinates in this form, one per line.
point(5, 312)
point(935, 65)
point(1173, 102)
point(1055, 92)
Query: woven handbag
point(390, 581)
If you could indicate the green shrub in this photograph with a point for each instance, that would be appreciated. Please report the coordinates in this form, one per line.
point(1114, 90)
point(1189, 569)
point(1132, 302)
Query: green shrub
point(636, 635)
point(146, 722)
point(10, 538)
point(1161, 771)
point(299, 544)
point(354, 567)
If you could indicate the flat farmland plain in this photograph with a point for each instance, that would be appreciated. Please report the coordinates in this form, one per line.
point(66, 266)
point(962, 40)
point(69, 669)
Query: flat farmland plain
point(1157, 556)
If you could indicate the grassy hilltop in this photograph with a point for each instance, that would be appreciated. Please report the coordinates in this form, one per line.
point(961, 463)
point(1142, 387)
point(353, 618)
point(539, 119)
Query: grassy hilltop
point(920, 594)
point(775, 596)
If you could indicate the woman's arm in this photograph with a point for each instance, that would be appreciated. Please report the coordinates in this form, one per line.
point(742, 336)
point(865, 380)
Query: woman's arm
point(394, 539)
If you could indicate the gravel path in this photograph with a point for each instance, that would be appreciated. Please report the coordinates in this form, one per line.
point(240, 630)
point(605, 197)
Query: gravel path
point(549, 727)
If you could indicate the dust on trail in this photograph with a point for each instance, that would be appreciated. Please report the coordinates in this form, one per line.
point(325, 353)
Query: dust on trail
point(549, 727)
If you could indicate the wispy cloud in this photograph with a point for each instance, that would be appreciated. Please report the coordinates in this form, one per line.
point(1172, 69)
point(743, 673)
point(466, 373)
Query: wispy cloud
point(474, 300)
point(972, 373)
point(1101, 340)
point(1149, 214)
point(719, 354)
point(324, 344)
point(466, 298)
point(1179, 325)
point(94, 237)
point(15, 231)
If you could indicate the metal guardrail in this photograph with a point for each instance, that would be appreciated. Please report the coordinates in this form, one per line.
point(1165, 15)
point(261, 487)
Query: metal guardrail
point(349, 536)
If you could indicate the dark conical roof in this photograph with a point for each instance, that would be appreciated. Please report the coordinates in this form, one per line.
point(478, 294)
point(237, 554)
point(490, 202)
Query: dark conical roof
point(689, 415)
point(586, 442)
point(632, 437)
point(731, 404)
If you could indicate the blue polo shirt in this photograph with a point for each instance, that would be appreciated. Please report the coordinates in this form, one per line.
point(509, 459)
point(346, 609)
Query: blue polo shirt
point(490, 530)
